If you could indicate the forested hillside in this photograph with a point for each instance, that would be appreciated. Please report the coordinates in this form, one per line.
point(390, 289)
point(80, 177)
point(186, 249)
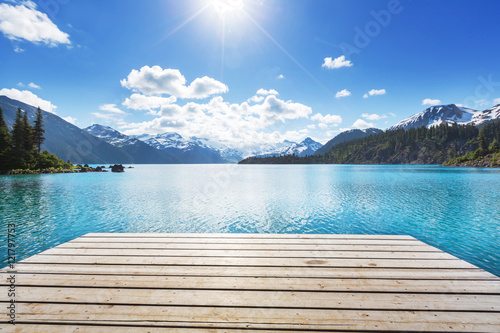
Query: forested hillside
point(423, 145)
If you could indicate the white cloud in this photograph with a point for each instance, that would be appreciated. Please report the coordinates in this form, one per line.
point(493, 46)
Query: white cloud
point(496, 101)
point(323, 126)
point(361, 124)
point(112, 114)
point(70, 119)
point(336, 63)
point(373, 116)
point(375, 92)
point(142, 102)
point(20, 84)
point(28, 97)
point(265, 92)
point(256, 99)
point(34, 86)
point(109, 117)
point(17, 49)
point(392, 114)
point(23, 21)
point(312, 126)
point(111, 108)
point(482, 102)
point(429, 101)
point(237, 125)
point(328, 119)
point(280, 77)
point(343, 93)
point(157, 81)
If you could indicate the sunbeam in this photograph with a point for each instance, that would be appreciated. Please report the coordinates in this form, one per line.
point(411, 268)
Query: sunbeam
point(286, 52)
point(222, 51)
point(189, 19)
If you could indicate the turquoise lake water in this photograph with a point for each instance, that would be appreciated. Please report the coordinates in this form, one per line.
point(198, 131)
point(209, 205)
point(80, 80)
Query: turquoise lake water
point(454, 209)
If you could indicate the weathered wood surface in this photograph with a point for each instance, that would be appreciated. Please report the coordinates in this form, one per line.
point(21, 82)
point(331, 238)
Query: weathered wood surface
point(251, 283)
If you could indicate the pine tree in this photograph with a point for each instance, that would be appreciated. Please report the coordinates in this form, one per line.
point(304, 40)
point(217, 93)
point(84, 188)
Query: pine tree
point(494, 147)
point(28, 142)
point(482, 142)
point(38, 130)
point(18, 138)
point(5, 143)
point(4, 134)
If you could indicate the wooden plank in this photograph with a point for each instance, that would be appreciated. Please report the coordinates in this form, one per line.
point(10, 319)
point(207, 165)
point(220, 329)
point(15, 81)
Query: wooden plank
point(250, 254)
point(261, 299)
point(297, 241)
point(220, 317)
point(247, 236)
point(65, 328)
point(252, 247)
point(286, 272)
point(263, 262)
point(261, 283)
point(253, 282)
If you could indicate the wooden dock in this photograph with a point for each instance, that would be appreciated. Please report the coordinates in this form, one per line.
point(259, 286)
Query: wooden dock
point(250, 282)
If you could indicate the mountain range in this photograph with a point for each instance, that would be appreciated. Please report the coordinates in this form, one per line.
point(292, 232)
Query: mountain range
point(102, 144)
point(197, 150)
point(170, 146)
point(307, 147)
point(99, 144)
point(66, 140)
point(346, 136)
point(448, 114)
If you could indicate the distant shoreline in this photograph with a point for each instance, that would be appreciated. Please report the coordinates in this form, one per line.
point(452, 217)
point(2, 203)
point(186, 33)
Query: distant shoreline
point(76, 169)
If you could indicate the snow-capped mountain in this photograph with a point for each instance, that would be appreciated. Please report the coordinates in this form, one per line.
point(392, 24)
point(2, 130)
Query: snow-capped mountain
point(191, 146)
point(138, 151)
point(346, 136)
point(307, 147)
point(169, 140)
point(172, 146)
point(448, 114)
point(110, 135)
point(487, 115)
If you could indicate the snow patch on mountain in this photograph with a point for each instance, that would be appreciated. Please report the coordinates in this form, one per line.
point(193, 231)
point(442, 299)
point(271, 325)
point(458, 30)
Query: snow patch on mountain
point(172, 140)
point(307, 147)
point(448, 114)
point(110, 135)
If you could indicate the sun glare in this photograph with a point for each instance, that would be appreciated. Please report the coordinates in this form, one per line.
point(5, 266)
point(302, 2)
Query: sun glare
point(226, 8)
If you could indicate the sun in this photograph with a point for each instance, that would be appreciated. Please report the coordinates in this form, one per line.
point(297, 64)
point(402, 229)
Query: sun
point(226, 8)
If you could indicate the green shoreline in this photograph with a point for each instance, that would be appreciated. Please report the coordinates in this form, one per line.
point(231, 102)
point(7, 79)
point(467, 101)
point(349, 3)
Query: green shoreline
point(75, 169)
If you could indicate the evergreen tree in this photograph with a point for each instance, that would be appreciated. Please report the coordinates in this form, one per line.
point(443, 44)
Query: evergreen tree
point(29, 148)
point(18, 138)
point(38, 130)
point(494, 147)
point(28, 142)
point(482, 142)
point(5, 143)
point(4, 134)
point(19, 147)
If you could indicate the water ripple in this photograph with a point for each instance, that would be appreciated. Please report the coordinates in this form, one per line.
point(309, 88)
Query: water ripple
point(457, 210)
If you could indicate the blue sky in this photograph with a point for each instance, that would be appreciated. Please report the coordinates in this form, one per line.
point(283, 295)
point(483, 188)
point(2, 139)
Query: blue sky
point(196, 66)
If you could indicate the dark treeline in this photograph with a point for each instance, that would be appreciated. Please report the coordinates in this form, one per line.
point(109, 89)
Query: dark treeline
point(21, 147)
point(434, 145)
